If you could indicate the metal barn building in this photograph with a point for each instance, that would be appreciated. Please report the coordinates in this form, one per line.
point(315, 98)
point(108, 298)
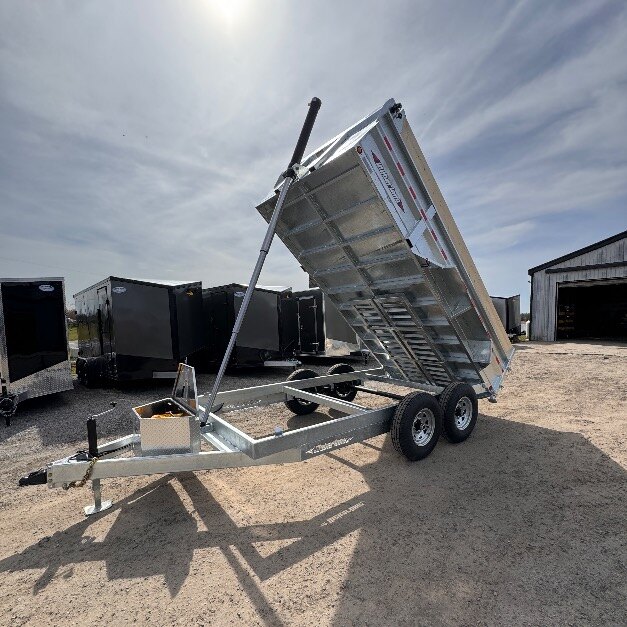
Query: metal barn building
point(582, 294)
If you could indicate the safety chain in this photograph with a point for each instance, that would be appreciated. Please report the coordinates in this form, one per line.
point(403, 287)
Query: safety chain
point(86, 476)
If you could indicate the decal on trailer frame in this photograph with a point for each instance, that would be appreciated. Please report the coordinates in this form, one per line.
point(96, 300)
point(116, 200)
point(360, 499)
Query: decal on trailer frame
point(324, 447)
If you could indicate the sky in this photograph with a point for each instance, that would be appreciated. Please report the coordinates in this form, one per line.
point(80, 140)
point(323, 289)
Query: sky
point(137, 137)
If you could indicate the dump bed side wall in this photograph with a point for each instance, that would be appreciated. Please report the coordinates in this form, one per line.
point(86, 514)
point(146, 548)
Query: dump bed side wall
point(481, 297)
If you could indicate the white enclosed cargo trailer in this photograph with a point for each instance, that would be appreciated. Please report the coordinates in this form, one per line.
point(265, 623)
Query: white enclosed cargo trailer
point(34, 358)
point(365, 218)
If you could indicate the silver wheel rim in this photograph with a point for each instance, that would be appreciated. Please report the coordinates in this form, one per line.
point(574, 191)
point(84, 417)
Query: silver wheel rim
point(463, 413)
point(423, 427)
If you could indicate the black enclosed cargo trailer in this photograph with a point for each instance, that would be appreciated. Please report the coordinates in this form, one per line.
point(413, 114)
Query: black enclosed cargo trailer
point(33, 341)
point(269, 332)
point(508, 308)
point(131, 329)
point(321, 328)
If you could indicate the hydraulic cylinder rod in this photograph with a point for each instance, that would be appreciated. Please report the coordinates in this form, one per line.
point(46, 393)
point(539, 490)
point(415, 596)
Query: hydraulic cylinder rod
point(290, 175)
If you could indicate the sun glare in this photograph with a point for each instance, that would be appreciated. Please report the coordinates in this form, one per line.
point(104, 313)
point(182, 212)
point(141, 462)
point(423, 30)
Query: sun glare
point(231, 11)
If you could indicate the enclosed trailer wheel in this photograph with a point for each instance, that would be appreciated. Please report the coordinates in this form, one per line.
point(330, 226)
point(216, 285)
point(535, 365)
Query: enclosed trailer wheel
point(459, 411)
point(81, 365)
point(299, 405)
point(90, 373)
point(416, 425)
point(8, 407)
point(345, 391)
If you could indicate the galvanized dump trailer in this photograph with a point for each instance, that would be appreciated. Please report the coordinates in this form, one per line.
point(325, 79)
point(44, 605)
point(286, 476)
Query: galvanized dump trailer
point(33, 341)
point(365, 218)
point(131, 329)
point(321, 328)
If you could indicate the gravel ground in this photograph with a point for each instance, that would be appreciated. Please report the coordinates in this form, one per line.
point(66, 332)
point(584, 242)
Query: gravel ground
point(523, 524)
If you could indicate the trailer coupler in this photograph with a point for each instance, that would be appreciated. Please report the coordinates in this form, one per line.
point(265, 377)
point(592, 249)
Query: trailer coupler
point(37, 477)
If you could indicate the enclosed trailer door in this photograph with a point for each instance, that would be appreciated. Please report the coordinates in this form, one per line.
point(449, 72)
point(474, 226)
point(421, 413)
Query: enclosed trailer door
point(35, 329)
point(260, 328)
point(309, 339)
point(142, 320)
point(189, 320)
point(104, 320)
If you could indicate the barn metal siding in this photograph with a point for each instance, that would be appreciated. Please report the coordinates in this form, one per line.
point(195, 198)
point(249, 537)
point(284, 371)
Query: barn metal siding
point(544, 286)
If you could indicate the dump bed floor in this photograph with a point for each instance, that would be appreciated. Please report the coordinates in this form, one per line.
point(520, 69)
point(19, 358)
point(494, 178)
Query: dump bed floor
point(366, 221)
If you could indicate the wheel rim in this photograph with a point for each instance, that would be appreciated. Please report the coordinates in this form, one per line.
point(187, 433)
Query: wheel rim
point(463, 413)
point(423, 427)
point(343, 389)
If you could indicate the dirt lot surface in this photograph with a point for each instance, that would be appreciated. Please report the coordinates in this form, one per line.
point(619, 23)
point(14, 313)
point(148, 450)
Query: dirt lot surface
point(523, 524)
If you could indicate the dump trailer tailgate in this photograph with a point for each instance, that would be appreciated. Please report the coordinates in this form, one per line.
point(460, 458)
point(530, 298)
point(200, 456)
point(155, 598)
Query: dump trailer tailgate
point(367, 221)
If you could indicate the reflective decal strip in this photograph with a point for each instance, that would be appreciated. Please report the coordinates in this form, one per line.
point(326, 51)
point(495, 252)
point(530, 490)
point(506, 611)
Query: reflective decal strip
point(413, 194)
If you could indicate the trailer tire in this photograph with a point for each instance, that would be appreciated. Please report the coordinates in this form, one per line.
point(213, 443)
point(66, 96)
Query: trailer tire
point(345, 391)
point(300, 406)
point(416, 425)
point(460, 409)
point(91, 374)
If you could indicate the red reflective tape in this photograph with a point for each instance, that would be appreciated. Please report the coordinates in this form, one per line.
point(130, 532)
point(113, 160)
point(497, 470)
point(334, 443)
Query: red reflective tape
point(423, 214)
point(435, 237)
point(400, 168)
point(443, 254)
point(387, 143)
point(412, 192)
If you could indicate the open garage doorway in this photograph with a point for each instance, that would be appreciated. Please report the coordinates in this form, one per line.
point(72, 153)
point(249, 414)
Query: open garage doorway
point(592, 310)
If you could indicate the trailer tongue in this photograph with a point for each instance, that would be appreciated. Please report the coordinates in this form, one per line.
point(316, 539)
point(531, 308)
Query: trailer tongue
point(365, 218)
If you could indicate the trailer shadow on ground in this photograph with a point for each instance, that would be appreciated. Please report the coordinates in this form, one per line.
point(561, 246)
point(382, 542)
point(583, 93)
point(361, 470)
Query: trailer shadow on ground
point(526, 508)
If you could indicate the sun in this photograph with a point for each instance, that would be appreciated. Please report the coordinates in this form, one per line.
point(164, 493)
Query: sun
point(231, 11)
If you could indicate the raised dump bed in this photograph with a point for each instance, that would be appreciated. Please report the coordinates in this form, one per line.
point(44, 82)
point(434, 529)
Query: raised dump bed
point(368, 222)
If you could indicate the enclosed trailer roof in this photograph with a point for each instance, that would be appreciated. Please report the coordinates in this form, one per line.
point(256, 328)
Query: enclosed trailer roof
point(31, 279)
point(277, 289)
point(155, 282)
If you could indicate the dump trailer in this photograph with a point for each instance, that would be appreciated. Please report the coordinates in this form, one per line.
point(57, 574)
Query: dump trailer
point(33, 341)
point(508, 309)
point(321, 328)
point(363, 216)
point(268, 335)
point(131, 329)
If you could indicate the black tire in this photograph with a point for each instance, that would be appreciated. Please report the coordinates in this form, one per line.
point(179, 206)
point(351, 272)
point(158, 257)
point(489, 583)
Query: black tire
point(416, 425)
point(80, 370)
point(91, 375)
point(345, 391)
point(459, 411)
point(300, 406)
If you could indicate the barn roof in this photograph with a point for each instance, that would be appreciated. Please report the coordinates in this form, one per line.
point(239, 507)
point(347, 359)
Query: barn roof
point(581, 251)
